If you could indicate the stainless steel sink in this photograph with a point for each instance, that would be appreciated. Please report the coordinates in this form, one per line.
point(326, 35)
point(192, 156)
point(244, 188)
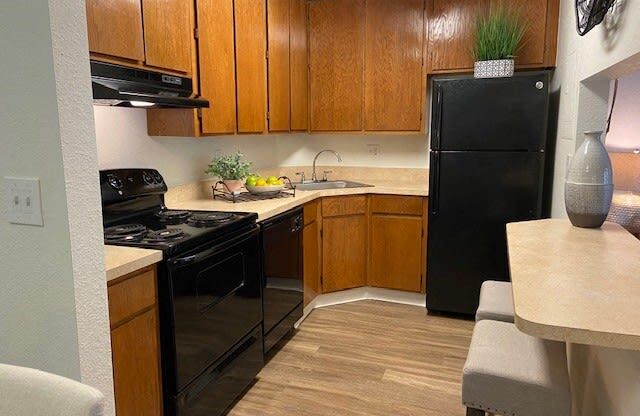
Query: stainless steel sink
point(318, 185)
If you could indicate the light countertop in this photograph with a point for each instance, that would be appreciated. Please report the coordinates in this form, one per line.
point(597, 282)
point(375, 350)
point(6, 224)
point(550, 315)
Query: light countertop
point(574, 284)
point(120, 261)
point(271, 207)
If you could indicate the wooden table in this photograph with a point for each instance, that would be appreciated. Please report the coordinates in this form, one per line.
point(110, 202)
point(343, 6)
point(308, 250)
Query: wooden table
point(574, 284)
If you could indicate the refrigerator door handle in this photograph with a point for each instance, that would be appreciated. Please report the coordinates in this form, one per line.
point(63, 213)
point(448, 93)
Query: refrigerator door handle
point(437, 119)
point(434, 186)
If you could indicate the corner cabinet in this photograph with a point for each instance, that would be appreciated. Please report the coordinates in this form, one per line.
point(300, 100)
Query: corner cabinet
point(135, 344)
point(365, 240)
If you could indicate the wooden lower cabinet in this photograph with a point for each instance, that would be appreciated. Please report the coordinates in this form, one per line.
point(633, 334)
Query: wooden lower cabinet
point(312, 252)
point(358, 240)
point(135, 344)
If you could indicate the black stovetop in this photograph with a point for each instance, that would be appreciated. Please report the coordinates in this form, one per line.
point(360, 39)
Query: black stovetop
point(174, 231)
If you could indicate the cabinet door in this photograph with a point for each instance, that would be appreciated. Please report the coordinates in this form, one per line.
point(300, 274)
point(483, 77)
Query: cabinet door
point(168, 34)
point(336, 58)
point(344, 252)
point(311, 248)
point(250, 24)
point(278, 64)
point(393, 65)
point(115, 28)
point(136, 366)
point(534, 13)
point(299, 65)
point(451, 33)
point(217, 65)
point(396, 260)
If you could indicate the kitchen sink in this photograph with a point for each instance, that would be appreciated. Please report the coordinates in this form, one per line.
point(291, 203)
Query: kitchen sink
point(315, 186)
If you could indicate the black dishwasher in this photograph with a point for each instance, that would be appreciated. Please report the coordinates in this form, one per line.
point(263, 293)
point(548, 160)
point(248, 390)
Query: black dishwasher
point(282, 274)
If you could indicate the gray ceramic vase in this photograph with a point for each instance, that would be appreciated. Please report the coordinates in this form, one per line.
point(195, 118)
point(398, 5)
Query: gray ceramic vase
point(589, 185)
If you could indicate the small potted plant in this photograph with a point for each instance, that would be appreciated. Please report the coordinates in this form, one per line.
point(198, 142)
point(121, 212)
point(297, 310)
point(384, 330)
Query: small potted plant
point(231, 169)
point(498, 36)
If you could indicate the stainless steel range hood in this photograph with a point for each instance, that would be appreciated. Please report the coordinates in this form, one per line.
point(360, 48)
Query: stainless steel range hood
point(116, 85)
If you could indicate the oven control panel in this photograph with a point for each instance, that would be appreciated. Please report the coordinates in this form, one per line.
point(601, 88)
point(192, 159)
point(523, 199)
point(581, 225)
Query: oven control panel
point(120, 184)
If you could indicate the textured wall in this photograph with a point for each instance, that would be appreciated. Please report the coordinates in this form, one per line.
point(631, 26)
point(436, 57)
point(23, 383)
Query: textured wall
point(79, 157)
point(38, 326)
point(123, 142)
point(52, 291)
point(604, 381)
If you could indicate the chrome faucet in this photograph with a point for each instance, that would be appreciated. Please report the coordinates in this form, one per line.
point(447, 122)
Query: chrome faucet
point(314, 178)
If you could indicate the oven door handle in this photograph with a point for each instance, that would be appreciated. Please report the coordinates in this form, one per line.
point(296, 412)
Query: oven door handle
point(194, 258)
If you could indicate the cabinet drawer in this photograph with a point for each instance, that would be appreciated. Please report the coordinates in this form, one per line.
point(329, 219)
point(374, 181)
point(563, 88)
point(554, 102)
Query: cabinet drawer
point(311, 212)
point(130, 296)
point(393, 204)
point(346, 205)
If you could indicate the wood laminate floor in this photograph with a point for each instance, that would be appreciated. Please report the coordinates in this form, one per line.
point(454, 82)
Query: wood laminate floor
point(365, 358)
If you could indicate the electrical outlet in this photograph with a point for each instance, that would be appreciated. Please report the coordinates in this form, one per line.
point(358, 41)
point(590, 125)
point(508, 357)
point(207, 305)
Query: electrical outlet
point(23, 201)
point(374, 148)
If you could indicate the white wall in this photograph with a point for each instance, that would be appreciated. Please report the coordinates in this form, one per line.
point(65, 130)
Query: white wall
point(53, 312)
point(604, 381)
point(123, 142)
point(624, 134)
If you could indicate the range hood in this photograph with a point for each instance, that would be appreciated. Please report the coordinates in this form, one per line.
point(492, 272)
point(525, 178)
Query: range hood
point(117, 85)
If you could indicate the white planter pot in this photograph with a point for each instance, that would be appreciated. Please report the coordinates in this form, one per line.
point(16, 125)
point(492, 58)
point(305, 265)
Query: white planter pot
point(499, 68)
point(233, 185)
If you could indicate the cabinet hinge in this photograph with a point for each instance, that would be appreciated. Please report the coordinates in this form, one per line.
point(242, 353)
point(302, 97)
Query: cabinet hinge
point(321, 233)
point(196, 33)
point(199, 112)
point(266, 54)
point(268, 115)
point(322, 280)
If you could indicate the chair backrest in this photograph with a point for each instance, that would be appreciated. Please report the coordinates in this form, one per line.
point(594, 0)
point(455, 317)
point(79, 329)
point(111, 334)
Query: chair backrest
point(29, 392)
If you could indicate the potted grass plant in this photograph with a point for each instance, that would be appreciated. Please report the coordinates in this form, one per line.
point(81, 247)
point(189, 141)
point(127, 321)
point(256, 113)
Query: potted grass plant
point(231, 169)
point(498, 36)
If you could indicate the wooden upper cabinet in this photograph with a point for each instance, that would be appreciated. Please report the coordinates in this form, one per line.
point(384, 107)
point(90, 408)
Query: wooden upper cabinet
point(299, 65)
point(168, 34)
point(115, 28)
point(539, 42)
point(451, 27)
point(250, 30)
point(452, 24)
point(394, 73)
point(336, 54)
point(217, 65)
point(279, 65)
point(287, 65)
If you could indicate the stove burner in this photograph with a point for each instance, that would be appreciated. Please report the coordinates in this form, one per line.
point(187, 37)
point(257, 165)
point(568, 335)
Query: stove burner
point(168, 234)
point(210, 218)
point(126, 232)
point(172, 215)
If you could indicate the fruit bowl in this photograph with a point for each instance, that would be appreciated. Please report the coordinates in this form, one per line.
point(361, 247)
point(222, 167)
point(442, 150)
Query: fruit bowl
point(266, 189)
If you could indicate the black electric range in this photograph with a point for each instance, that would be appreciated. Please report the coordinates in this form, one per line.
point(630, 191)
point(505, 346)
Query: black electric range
point(209, 289)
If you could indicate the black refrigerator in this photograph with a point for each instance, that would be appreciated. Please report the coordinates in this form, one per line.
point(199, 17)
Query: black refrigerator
point(487, 168)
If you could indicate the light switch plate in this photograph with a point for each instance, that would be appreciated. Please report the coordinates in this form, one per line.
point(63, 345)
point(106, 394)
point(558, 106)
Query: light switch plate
point(22, 197)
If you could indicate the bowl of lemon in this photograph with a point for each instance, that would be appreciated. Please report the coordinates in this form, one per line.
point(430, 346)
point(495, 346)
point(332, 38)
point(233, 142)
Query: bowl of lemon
point(259, 185)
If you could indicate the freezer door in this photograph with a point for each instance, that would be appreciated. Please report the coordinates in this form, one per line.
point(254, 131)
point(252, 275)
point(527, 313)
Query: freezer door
point(490, 114)
point(472, 197)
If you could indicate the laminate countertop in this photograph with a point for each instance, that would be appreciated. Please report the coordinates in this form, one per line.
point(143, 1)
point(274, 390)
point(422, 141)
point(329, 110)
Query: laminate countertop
point(120, 261)
point(574, 284)
point(270, 207)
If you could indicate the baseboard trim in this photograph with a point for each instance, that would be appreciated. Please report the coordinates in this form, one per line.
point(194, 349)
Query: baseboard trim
point(363, 293)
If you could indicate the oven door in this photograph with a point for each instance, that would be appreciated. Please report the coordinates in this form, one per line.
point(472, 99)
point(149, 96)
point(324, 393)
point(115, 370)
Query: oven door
point(216, 302)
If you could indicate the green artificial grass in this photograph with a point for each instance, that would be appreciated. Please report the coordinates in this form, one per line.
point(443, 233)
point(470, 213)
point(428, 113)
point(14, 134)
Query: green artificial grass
point(498, 35)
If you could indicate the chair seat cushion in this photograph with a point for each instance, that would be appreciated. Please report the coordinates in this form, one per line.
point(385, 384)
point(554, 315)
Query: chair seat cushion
point(496, 301)
point(511, 373)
